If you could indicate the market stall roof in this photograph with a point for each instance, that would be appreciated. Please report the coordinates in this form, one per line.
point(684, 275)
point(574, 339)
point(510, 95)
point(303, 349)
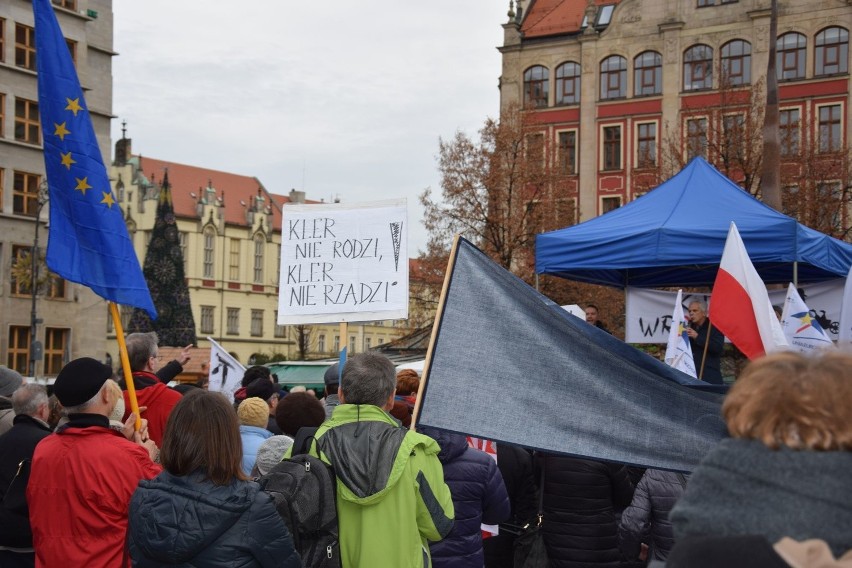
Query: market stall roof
point(674, 236)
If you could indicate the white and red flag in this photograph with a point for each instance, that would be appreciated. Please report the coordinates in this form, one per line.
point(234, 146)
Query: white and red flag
point(741, 308)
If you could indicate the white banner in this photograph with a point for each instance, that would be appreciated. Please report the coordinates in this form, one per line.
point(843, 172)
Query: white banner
point(649, 312)
point(343, 262)
point(226, 373)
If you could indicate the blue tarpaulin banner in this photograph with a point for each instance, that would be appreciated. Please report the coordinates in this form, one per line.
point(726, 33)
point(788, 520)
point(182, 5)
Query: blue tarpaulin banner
point(88, 241)
point(508, 364)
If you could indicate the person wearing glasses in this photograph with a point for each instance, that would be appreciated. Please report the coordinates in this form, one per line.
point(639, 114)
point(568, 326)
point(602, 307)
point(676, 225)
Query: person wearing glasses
point(156, 400)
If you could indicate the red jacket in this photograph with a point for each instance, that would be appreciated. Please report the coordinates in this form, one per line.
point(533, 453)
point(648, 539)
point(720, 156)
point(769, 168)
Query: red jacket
point(159, 399)
point(79, 491)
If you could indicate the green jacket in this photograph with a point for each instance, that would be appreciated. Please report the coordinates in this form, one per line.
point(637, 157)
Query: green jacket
point(391, 495)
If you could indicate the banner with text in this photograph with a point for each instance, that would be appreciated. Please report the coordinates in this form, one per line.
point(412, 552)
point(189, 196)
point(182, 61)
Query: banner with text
point(343, 262)
point(649, 312)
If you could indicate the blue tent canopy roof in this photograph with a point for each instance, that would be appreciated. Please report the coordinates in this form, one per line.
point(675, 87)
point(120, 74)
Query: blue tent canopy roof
point(675, 234)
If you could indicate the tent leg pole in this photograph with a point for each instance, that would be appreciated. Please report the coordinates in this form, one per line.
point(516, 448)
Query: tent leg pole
point(536, 283)
point(796, 274)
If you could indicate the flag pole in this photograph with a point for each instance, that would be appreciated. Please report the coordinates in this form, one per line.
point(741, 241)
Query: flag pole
point(706, 345)
point(438, 315)
point(344, 340)
point(125, 364)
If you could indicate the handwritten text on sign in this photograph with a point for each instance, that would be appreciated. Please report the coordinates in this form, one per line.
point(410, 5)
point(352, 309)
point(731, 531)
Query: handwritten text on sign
point(343, 262)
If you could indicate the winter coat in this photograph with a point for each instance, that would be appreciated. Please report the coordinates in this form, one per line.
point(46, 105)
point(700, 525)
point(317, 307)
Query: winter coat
point(580, 498)
point(479, 496)
point(80, 486)
point(16, 445)
point(159, 399)
point(743, 487)
point(391, 495)
point(252, 437)
point(189, 521)
point(647, 518)
point(713, 366)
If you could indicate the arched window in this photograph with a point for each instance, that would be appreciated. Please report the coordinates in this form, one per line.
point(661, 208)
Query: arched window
point(209, 250)
point(736, 63)
point(613, 77)
point(698, 68)
point(259, 245)
point(792, 50)
point(831, 53)
point(648, 74)
point(568, 83)
point(536, 86)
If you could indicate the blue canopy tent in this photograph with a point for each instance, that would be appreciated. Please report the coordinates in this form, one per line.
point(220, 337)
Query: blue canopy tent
point(674, 236)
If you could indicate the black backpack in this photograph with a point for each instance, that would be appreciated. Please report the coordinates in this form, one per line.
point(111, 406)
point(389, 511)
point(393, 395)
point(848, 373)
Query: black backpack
point(304, 490)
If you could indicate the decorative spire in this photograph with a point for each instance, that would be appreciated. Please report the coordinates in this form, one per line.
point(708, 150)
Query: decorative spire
point(511, 13)
point(123, 129)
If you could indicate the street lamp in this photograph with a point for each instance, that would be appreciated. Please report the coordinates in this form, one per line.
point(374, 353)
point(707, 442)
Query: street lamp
point(35, 345)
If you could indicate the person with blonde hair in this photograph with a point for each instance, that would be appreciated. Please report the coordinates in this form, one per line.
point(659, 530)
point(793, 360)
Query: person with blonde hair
point(202, 510)
point(787, 468)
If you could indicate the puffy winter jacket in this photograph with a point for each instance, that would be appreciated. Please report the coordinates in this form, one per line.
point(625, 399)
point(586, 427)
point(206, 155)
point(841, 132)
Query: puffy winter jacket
point(252, 438)
point(159, 399)
point(189, 521)
point(580, 498)
point(479, 496)
point(647, 517)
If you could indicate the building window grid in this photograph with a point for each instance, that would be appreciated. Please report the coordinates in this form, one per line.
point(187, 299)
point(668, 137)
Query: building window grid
point(613, 77)
point(233, 321)
point(351, 344)
point(736, 62)
point(257, 323)
point(535, 152)
point(278, 330)
point(612, 148)
point(72, 49)
point(27, 126)
point(183, 240)
point(567, 152)
point(18, 352)
point(336, 343)
point(56, 287)
point(234, 262)
point(25, 193)
point(19, 252)
point(830, 128)
point(321, 343)
point(2, 40)
point(2, 104)
point(55, 349)
point(568, 83)
point(67, 4)
point(696, 138)
point(648, 74)
point(610, 204)
point(25, 52)
point(259, 244)
point(646, 144)
point(536, 86)
point(698, 68)
point(207, 319)
point(788, 123)
point(831, 51)
point(209, 250)
point(792, 53)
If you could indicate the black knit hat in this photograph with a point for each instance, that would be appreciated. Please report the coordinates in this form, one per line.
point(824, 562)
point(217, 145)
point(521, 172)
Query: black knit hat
point(80, 380)
point(332, 375)
point(261, 388)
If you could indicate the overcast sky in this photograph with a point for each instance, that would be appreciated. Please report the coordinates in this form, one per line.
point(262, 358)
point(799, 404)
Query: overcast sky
point(339, 98)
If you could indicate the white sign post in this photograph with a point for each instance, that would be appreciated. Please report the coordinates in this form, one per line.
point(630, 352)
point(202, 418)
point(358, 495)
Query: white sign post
point(343, 262)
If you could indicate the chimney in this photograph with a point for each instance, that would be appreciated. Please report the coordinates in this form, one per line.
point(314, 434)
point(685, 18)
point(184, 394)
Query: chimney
point(296, 196)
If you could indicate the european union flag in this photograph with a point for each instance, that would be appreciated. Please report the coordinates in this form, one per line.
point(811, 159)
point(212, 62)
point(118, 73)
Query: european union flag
point(88, 241)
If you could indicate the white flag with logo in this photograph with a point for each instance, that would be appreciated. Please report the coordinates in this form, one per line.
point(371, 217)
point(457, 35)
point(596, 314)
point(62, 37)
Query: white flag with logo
point(844, 338)
point(678, 349)
point(226, 373)
point(803, 332)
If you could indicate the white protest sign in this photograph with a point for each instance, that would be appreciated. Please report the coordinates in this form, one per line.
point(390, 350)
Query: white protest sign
point(343, 262)
point(649, 312)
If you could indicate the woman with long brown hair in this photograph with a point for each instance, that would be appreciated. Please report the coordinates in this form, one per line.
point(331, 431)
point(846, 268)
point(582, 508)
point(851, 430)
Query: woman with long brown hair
point(202, 510)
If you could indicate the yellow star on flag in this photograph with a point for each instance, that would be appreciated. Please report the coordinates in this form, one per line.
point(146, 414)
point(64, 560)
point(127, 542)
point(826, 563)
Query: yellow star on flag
point(73, 105)
point(83, 184)
point(108, 199)
point(807, 319)
point(67, 160)
point(61, 131)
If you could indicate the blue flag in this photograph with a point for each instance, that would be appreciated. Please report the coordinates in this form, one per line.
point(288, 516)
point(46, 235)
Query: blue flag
point(88, 241)
point(510, 365)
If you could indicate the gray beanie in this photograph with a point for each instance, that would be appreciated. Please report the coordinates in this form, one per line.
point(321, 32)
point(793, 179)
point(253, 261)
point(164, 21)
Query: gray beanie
point(10, 380)
point(270, 452)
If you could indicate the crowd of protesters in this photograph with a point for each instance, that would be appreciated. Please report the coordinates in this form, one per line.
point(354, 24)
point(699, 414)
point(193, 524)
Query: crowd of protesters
point(83, 485)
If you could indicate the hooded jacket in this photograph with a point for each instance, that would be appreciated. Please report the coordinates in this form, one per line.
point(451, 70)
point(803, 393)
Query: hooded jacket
point(391, 495)
point(189, 521)
point(479, 496)
point(159, 399)
point(742, 487)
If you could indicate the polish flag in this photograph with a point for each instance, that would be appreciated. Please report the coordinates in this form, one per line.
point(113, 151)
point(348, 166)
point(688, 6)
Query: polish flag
point(741, 308)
